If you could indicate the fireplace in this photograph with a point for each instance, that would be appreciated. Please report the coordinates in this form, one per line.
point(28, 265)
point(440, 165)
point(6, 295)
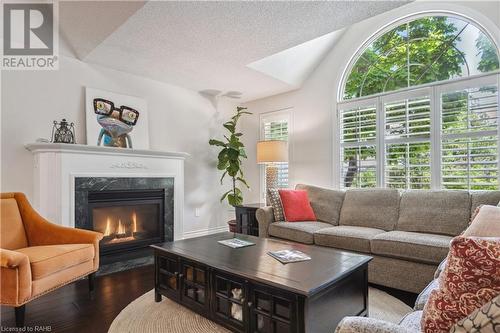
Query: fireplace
point(131, 212)
point(129, 220)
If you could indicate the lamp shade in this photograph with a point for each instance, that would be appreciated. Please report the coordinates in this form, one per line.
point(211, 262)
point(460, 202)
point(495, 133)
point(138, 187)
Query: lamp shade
point(272, 151)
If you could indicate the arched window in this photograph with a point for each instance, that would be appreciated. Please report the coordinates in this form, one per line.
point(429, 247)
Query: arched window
point(424, 50)
point(419, 109)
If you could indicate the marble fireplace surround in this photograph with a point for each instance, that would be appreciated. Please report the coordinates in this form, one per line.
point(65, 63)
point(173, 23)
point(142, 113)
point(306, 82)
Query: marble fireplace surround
point(57, 167)
point(84, 185)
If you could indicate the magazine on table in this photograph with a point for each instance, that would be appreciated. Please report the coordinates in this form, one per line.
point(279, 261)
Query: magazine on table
point(288, 256)
point(236, 243)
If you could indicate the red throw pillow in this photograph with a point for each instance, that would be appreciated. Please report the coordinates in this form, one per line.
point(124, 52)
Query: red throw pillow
point(296, 206)
point(470, 279)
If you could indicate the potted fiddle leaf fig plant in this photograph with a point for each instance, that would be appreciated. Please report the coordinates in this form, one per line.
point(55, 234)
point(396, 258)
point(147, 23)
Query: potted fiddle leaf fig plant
point(230, 158)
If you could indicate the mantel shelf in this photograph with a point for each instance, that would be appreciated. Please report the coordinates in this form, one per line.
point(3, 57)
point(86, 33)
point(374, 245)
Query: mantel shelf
point(84, 149)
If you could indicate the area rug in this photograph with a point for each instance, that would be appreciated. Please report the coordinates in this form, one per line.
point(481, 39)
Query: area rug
point(145, 316)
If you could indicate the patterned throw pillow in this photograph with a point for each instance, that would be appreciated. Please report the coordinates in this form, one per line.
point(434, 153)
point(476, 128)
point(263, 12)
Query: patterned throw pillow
point(470, 279)
point(275, 200)
point(483, 320)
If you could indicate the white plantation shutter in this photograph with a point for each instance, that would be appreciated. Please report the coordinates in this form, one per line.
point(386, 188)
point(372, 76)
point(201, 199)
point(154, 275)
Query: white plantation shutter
point(407, 143)
point(469, 126)
point(358, 133)
point(444, 135)
point(277, 129)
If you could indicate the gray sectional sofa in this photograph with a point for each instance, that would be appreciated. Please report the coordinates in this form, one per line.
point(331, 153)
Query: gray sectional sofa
point(407, 233)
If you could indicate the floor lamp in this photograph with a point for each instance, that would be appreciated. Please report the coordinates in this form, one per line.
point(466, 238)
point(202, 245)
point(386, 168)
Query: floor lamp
point(270, 153)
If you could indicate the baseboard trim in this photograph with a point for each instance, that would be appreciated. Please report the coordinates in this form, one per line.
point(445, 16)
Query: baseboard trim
point(205, 232)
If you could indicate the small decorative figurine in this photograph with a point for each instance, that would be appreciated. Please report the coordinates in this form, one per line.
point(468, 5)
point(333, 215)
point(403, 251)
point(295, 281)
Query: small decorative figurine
point(63, 132)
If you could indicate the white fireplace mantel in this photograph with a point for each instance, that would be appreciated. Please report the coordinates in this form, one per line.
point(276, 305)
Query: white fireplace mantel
point(56, 166)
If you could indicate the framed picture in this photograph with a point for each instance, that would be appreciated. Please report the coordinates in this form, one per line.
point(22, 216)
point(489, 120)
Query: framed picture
point(116, 120)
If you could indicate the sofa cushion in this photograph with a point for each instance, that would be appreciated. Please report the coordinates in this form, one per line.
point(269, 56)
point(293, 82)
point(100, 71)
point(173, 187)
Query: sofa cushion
point(326, 203)
point(347, 237)
point(423, 297)
point(49, 259)
point(414, 246)
point(13, 235)
point(371, 208)
point(478, 198)
point(486, 223)
point(437, 212)
point(297, 231)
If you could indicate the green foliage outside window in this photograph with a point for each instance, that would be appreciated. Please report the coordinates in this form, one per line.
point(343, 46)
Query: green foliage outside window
point(422, 51)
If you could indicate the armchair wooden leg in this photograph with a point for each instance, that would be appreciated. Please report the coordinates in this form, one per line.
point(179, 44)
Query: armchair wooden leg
point(91, 278)
point(20, 310)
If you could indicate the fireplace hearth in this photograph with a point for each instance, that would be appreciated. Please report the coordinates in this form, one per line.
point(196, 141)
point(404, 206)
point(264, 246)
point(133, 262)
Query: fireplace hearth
point(131, 213)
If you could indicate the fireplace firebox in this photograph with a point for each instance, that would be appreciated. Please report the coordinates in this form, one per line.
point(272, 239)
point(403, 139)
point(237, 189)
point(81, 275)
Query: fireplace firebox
point(129, 219)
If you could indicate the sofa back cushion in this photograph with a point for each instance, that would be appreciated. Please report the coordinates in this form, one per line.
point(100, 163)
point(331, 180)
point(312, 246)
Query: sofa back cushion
point(438, 212)
point(372, 208)
point(479, 198)
point(13, 235)
point(325, 203)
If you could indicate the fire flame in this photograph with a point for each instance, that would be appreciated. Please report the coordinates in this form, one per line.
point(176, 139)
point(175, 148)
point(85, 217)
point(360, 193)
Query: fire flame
point(134, 221)
point(121, 228)
point(107, 232)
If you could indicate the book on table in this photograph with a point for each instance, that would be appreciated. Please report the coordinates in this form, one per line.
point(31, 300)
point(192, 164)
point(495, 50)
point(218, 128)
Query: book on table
point(289, 256)
point(235, 243)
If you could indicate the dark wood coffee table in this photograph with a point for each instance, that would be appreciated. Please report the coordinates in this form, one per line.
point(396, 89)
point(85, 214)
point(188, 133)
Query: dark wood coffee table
point(246, 290)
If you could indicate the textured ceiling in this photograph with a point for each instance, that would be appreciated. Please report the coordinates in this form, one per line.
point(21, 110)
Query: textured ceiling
point(85, 24)
point(208, 45)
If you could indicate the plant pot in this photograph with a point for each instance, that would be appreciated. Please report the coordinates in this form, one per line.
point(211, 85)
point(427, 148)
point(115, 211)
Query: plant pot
point(232, 225)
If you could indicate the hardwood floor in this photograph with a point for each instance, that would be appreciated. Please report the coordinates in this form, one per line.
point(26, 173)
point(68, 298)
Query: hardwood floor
point(69, 309)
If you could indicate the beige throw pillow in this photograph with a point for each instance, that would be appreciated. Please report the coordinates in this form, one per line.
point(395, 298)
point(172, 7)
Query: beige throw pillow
point(485, 224)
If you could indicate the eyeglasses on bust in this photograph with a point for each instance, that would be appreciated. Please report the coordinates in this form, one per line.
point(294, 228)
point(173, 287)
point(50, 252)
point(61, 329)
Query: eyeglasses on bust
point(126, 114)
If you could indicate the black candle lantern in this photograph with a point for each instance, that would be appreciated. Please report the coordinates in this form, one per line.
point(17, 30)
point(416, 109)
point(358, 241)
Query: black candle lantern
point(63, 132)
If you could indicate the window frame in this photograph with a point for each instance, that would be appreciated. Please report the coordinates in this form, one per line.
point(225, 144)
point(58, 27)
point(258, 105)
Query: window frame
point(434, 91)
point(395, 23)
point(277, 115)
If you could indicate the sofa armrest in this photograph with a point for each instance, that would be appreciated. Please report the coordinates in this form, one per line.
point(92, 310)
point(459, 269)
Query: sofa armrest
point(15, 278)
point(368, 325)
point(265, 216)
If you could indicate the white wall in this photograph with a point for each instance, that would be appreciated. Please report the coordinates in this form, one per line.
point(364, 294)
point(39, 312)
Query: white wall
point(312, 160)
point(179, 120)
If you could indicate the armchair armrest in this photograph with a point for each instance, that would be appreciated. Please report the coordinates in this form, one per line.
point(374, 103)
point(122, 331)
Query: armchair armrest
point(368, 325)
point(12, 259)
point(265, 216)
point(15, 278)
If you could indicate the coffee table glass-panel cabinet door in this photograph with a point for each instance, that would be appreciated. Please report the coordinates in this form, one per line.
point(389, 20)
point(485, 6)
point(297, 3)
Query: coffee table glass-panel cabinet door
point(167, 271)
point(194, 288)
point(229, 301)
point(182, 281)
point(272, 311)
